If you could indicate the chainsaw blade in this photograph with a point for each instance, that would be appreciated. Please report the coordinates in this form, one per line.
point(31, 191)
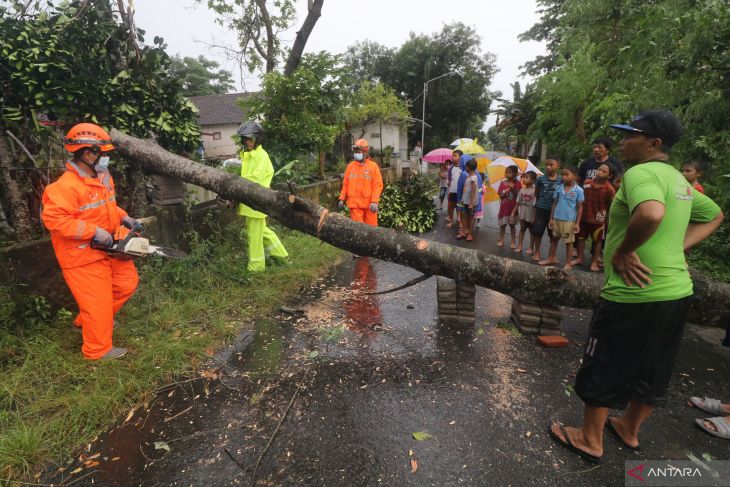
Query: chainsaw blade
point(167, 252)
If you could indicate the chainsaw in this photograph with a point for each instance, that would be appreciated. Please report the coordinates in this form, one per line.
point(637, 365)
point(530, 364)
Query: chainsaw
point(133, 245)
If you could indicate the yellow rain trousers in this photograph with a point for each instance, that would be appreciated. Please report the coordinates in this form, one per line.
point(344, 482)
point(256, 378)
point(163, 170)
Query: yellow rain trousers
point(256, 167)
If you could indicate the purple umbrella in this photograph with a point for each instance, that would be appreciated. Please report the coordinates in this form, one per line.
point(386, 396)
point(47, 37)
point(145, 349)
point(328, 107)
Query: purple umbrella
point(438, 156)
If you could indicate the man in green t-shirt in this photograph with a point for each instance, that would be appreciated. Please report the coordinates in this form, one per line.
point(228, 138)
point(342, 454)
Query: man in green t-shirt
point(637, 326)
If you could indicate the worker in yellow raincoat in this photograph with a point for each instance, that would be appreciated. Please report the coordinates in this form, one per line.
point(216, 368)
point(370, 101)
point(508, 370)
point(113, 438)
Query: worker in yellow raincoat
point(257, 168)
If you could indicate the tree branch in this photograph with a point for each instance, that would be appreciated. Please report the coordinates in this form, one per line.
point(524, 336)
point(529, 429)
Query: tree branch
point(521, 280)
point(295, 55)
point(270, 37)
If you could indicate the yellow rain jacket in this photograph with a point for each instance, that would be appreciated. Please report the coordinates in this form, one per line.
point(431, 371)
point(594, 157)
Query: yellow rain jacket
point(257, 168)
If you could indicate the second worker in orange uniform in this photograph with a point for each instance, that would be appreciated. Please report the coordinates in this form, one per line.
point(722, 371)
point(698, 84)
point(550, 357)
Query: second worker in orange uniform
point(362, 185)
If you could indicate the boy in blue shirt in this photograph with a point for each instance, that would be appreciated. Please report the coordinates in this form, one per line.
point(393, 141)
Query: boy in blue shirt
point(544, 195)
point(565, 216)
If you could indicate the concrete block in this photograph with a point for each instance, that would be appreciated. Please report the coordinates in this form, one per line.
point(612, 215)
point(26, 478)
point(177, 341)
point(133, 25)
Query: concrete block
point(455, 301)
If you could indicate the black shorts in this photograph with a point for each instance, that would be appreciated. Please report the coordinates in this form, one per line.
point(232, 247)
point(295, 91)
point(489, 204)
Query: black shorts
point(542, 219)
point(452, 198)
point(630, 352)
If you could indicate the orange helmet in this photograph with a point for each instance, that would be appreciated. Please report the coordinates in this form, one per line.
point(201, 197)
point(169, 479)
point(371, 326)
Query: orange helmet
point(361, 144)
point(87, 135)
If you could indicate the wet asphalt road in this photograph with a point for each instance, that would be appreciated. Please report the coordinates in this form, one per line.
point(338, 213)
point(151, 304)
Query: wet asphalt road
point(363, 373)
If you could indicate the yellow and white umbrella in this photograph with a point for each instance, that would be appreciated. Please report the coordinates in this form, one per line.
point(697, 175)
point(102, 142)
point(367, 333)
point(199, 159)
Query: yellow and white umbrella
point(459, 141)
point(470, 148)
point(496, 174)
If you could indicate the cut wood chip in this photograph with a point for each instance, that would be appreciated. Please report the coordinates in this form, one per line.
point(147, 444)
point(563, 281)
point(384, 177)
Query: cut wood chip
point(521, 371)
point(414, 465)
point(130, 415)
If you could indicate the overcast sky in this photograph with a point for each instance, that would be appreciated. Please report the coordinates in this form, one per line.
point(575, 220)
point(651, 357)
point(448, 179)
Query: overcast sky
point(188, 28)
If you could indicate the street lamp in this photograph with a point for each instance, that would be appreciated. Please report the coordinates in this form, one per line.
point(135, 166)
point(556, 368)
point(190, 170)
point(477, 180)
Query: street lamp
point(423, 114)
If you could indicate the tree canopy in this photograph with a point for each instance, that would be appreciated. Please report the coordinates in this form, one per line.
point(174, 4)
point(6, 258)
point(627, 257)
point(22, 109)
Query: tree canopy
point(455, 105)
point(80, 62)
point(200, 76)
point(302, 112)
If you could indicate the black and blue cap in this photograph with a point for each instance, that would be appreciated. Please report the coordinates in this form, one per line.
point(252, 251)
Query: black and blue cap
point(659, 124)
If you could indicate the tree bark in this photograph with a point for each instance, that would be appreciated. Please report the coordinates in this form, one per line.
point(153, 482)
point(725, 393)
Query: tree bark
point(522, 281)
point(16, 204)
point(270, 38)
point(295, 55)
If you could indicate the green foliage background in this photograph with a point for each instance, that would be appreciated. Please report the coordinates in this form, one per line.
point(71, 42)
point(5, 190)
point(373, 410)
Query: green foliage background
point(83, 64)
point(456, 106)
point(200, 76)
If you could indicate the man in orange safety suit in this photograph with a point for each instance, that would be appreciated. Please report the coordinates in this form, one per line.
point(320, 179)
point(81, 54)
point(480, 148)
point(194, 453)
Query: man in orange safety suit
point(78, 208)
point(362, 185)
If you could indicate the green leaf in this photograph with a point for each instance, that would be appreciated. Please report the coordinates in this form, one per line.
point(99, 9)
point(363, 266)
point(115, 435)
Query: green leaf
point(161, 445)
point(313, 354)
point(421, 436)
point(707, 457)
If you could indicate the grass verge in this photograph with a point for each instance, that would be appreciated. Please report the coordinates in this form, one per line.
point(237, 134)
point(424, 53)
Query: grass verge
point(51, 400)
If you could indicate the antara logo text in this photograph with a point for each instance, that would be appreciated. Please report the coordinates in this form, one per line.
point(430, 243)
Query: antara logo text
point(663, 472)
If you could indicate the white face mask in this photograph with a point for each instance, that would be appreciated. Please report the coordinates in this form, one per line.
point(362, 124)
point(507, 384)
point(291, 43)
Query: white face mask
point(103, 163)
point(359, 156)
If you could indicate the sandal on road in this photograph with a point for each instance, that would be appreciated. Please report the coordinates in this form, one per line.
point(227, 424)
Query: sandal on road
point(712, 406)
point(612, 429)
point(720, 422)
point(570, 446)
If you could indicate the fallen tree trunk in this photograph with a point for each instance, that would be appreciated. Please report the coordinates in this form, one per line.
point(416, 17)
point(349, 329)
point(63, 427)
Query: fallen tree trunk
point(522, 281)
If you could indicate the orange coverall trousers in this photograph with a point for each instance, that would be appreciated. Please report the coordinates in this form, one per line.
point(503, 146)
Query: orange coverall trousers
point(100, 288)
point(364, 215)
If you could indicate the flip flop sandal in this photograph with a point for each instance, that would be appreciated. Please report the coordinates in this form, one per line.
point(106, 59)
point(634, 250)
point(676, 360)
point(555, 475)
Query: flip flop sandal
point(460, 236)
point(723, 427)
point(469, 238)
point(612, 429)
point(712, 406)
point(570, 446)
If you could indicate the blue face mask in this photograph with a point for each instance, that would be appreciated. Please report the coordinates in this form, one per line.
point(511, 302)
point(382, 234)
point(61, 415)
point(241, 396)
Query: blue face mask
point(103, 163)
point(359, 156)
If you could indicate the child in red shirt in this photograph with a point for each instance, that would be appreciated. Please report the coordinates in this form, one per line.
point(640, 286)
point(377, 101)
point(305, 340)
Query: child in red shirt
point(599, 193)
point(692, 172)
point(508, 190)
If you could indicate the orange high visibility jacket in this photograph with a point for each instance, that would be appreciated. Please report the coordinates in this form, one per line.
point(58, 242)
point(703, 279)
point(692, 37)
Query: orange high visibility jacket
point(362, 184)
point(73, 207)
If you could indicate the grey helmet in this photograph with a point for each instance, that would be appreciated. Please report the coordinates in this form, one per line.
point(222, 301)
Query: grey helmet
point(251, 130)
